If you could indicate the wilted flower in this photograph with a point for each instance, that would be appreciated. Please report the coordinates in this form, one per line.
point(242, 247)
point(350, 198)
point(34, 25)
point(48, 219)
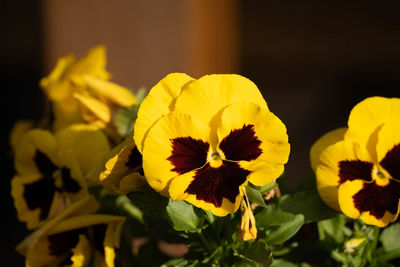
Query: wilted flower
point(79, 90)
point(203, 140)
point(357, 169)
point(247, 228)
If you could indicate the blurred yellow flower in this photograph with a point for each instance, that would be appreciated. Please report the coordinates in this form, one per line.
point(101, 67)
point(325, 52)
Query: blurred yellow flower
point(79, 90)
point(357, 168)
point(203, 140)
point(51, 168)
point(74, 239)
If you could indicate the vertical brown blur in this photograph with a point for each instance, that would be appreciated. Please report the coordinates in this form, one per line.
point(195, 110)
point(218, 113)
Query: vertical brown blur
point(145, 39)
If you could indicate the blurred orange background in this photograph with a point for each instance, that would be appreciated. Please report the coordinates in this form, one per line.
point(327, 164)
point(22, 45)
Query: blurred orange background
point(313, 60)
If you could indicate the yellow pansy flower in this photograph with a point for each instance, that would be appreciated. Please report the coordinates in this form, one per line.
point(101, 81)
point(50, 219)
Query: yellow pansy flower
point(203, 140)
point(357, 168)
point(79, 90)
point(51, 168)
point(74, 239)
point(121, 171)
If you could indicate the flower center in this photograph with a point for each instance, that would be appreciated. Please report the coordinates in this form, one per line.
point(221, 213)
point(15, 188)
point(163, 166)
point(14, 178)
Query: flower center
point(380, 176)
point(215, 158)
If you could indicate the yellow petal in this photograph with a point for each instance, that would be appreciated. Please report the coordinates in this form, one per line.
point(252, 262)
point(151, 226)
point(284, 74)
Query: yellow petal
point(158, 147)
point(19, 129)
point(247, 228)
point(66, 112)
point(207, 96)
point(322, 143)
point(85, 205)
point(93, 64)
point(389, 137)
point(86, 142)
point(346, 193)
point(111, 92)
point(56, 85)
point(128, 183)
point(33, 141)
point(327, 172)
point(158, 102)
point(81, 253)
point(367, 117)
point(93, 109)
point(256, 138)
point(31, 215)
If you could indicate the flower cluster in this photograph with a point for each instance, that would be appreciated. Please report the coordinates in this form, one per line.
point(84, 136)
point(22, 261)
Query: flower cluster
point(169, 171)
point(54, 161)
point(357, 167)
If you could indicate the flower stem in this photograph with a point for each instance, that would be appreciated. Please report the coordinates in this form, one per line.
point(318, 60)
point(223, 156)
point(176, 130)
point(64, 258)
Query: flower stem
point(125, 203)
point(204, 241)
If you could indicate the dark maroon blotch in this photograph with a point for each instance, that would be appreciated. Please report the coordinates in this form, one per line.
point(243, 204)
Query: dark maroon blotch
point(63, 242)
point(44, 164)
point(213, 184)
point(350, 170)
point(69, 184)
point(241, 144)
point(134, 159)
point(378, 199)
point(188, 154)
point(391, 162)
point(39, 195)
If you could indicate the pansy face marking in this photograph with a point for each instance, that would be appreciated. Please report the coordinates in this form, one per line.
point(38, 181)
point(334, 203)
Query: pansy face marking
point(39, 194)
point(217, 175)
point(215, 135)
point(358, 168)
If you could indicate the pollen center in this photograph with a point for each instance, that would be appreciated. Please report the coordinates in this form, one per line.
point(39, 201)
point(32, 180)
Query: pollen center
point(215, 159)
point(380, 176)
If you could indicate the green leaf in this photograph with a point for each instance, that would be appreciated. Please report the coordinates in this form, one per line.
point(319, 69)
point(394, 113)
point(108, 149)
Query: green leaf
point(284, 231)
point(183, 216)
point(265, 188)
point(334, 227)
point(390, 237)
point(149, 202)
point(267, 218)
point(260, 253)
point(255, 196)
point(282, 263)
point(309, 204)
point(243, 261)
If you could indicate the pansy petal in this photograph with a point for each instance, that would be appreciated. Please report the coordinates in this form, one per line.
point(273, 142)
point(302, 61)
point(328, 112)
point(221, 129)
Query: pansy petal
point(248, 132)
point(87, 143)
point(93, 109)
point(368, 116)
point(35, 198)
point(176, 144)
point(81, 252)
point(110, 92)
point(323, 142)
point(19, 129)
point(339, 163)
point(255, 138)
point(36, 153)
point(92, 63)
point(158, 102)
point(211, 93)
point(215, 189)
point(373, 204)
point(55, 84)
point(388, 148)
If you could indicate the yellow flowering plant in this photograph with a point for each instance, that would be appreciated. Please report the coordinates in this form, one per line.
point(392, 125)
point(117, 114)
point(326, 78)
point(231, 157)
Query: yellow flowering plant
point(191, 173)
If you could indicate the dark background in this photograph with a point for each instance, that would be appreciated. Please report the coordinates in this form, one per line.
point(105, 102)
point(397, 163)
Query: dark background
point(313, 60)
